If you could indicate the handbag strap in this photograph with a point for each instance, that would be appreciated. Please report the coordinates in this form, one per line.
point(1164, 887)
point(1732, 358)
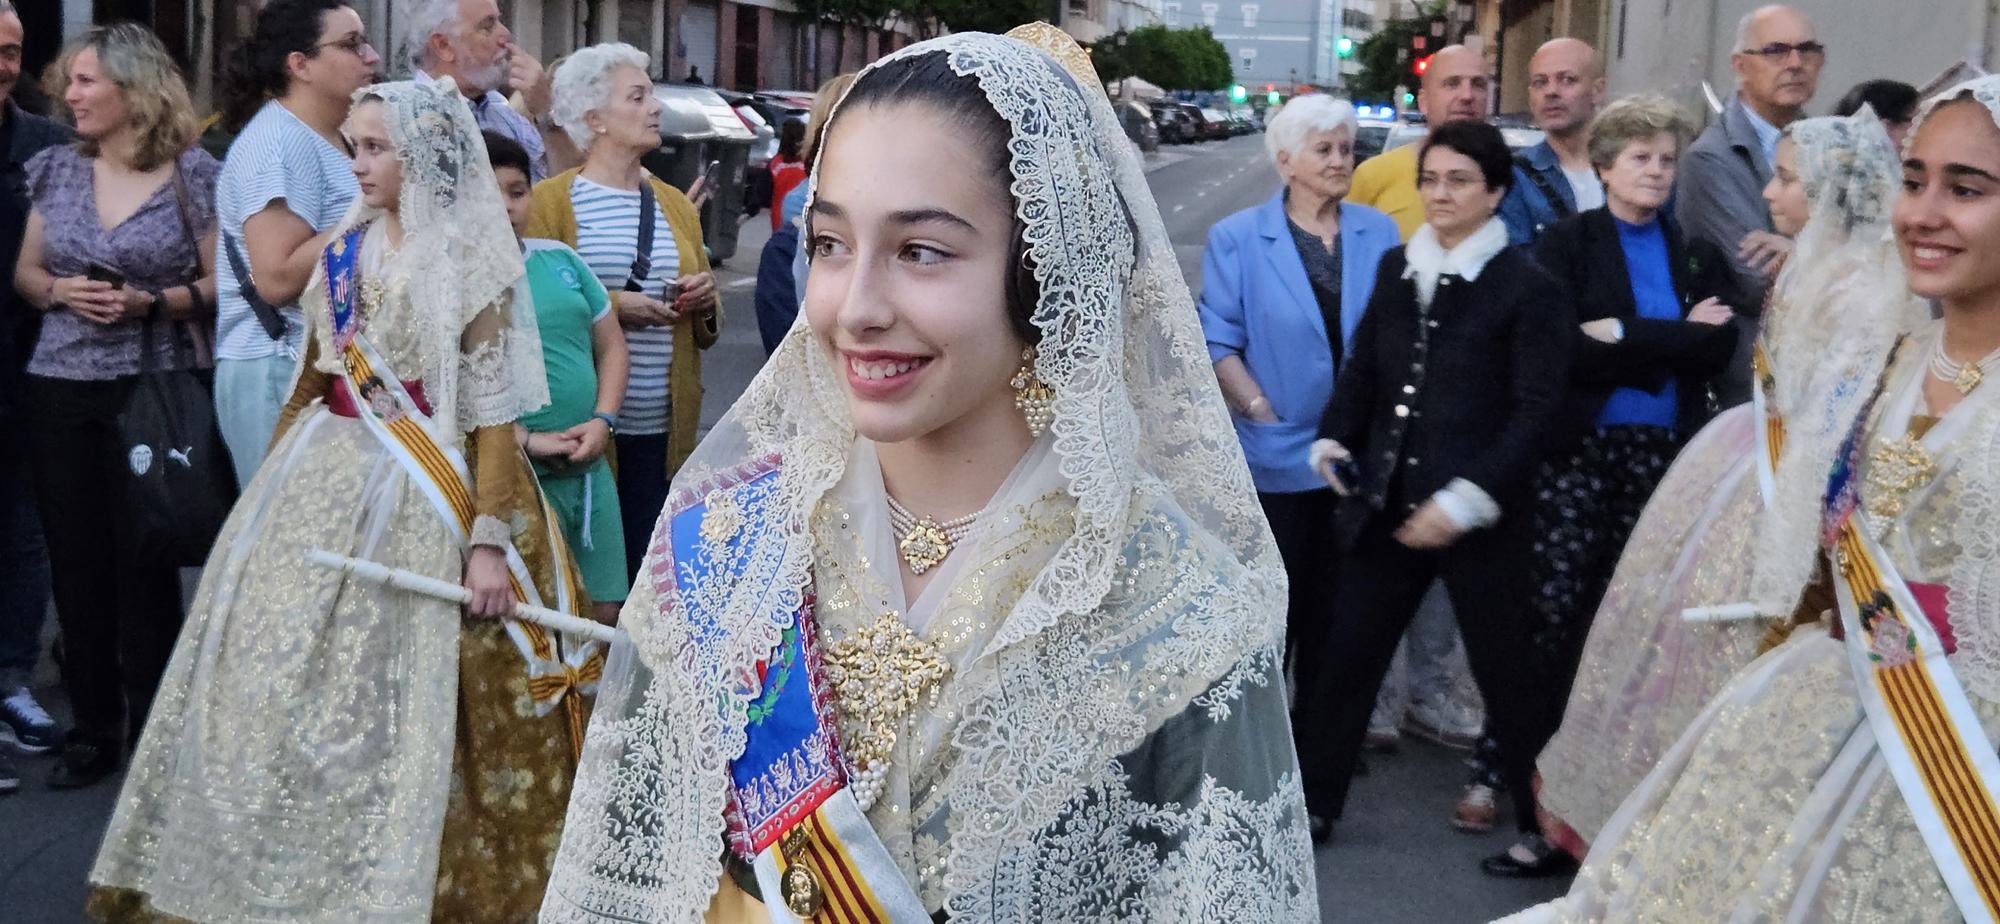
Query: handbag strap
point(267, 315)
point(642, 262)
point(1548, 191)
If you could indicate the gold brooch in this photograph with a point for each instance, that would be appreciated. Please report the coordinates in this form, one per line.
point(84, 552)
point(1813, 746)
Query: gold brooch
point(722, 520)
point(1895, 469)
point(880, 673)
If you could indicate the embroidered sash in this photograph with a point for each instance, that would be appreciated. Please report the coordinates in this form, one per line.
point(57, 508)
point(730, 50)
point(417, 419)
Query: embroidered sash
point(1770, 428)
point(556, 666)
point(791, 814)
point(1936, 749)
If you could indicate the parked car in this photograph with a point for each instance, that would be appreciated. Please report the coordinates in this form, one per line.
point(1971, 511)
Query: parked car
point(1137, 120)
point(1371, 138)
point(1221, 126)
point(1200, 127)
point(1172, 124)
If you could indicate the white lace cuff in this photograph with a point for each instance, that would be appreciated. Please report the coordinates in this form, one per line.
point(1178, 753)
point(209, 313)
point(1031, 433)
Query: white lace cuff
point(1467, 504)
point(493, 531)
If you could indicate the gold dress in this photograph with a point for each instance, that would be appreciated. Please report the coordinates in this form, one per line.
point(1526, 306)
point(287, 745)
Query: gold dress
point(326, 749)
point(1777, 804)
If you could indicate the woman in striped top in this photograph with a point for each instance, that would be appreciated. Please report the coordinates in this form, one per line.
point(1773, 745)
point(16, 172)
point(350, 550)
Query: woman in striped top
point(665, 298)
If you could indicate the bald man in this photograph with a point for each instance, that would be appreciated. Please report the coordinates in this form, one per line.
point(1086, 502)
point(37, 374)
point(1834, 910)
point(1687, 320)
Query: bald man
point(1554, 180)
point(1777, 60)
point(1455, 86)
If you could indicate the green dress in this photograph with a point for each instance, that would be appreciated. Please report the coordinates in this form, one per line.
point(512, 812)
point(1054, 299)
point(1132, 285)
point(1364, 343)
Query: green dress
point(568, 302)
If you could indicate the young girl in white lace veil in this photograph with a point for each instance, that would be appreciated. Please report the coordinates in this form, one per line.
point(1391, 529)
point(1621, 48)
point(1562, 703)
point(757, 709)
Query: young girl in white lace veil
point(1731, 531)
point(966, 609)
point(1804, 791)
point(323, 748)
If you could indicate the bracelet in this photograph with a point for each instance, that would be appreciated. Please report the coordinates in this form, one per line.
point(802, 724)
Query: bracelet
point(610, 421)
point(194, 299)
point(1260, 399)
point(159, 308)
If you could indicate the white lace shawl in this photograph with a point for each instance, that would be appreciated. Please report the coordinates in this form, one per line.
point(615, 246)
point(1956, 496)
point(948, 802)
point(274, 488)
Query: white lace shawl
point(1835, 315)
point(1055, 811)
point(483, 355)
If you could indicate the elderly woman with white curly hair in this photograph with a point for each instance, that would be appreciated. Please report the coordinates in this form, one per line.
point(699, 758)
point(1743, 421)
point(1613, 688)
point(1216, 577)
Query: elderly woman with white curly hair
point(1283, 286)
point(642, 239)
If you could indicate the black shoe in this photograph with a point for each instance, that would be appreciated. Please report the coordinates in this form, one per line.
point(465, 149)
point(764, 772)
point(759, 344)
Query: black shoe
point(1321, 829)
point(83, 763)
point(10, 780)
point(1550, 860)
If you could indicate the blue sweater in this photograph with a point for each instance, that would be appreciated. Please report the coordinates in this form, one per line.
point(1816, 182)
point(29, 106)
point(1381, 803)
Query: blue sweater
point(1653, 291)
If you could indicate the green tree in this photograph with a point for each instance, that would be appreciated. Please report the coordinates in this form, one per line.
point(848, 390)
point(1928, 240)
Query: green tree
point(1174, 59)
point(1385, 57)
point(996, 16)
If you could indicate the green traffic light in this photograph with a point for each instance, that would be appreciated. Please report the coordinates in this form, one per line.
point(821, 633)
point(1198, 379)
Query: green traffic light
point(1345, 48)
point(1236, 93)
point(1271, 98)
point(1409, 99)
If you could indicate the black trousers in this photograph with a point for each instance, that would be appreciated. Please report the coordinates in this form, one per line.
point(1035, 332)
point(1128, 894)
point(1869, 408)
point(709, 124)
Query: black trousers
point(120, 612)
point(1302, 522)
point(642, 492)
point(1379, 585)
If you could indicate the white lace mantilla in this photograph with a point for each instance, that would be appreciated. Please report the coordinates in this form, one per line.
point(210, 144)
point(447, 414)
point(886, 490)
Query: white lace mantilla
point(1103, 659)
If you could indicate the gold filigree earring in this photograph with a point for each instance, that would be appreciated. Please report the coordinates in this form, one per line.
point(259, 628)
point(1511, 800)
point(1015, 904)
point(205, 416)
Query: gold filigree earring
point(1034, 397)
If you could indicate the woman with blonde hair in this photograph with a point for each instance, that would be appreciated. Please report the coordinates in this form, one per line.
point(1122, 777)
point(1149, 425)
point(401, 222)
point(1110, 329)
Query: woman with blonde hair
point(642, 239)
point(118, 256)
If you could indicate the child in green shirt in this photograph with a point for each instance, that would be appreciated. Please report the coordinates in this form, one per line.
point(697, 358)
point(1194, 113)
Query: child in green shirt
point(583, 350)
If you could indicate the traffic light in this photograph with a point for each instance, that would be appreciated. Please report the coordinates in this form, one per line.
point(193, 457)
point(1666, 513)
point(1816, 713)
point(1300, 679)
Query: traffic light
point(1271, 98)
point(1409, 99)
point(1419, 66)
point(1237, 93)
point(1344, 47)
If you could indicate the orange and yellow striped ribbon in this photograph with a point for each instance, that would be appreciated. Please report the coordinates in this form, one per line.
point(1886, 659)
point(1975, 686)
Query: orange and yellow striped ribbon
point(1936, 748)
point(847, 897)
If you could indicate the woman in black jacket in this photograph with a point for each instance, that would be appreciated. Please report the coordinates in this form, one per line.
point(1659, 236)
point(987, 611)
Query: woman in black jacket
point(1432, 438)
point(1654, 310)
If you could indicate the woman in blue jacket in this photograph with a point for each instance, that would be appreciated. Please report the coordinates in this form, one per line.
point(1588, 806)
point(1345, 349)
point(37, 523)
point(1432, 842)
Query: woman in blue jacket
point(1283, 286)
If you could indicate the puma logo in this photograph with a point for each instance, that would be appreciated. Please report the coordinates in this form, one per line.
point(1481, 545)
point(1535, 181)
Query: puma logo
point(181, 456)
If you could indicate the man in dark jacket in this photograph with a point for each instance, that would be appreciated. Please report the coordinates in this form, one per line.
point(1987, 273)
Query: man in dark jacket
point(24, 567)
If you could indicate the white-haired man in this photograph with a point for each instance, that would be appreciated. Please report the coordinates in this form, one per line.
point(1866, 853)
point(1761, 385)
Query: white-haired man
point(466, 41)
point(1777, 60)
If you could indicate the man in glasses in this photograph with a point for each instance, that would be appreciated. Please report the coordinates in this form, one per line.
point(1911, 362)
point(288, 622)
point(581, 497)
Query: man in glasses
point(1777, 61)
point(467, 41)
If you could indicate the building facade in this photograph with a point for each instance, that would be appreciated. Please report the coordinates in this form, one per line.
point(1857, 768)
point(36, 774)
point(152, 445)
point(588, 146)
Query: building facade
point(1283, 43)
point(1090, 20)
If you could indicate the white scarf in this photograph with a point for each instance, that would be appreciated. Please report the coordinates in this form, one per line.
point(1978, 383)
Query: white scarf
point(1427, 261)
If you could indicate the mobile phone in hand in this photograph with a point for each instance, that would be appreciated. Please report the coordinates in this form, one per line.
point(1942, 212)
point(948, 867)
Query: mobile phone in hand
point(98, 272)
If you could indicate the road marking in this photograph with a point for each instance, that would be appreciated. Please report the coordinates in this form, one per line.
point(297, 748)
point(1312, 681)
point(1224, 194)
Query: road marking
point(745, 282)
point(1180, 206)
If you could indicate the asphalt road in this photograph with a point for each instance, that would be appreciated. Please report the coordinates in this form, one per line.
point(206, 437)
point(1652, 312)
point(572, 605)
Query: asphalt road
point(1395, 859)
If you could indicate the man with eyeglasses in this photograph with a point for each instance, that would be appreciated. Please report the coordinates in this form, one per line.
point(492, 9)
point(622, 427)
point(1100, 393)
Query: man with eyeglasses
point(1777, 61)
point(466, 41)
point(24, 564)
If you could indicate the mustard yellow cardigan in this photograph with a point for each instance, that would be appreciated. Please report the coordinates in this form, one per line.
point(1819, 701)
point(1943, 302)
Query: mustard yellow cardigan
point(552, 216)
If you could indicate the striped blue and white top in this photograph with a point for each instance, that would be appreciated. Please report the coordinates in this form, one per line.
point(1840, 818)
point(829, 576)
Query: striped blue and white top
point(276, 157)
point(607, 237)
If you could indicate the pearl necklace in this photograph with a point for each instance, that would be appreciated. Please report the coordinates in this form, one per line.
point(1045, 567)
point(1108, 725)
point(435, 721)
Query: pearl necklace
point(1963, 376)
point(924, 542)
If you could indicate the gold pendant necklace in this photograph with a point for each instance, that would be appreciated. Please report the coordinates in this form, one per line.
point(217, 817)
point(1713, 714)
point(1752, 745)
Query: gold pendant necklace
point(923, 542)
point(1963, 376)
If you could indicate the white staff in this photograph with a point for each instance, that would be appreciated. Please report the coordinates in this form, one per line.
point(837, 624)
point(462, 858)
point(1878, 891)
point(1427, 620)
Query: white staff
point(377, 573)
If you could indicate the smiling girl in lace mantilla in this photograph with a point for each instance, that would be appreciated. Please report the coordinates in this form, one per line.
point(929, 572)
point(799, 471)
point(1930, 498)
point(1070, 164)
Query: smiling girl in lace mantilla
point(1071, 710)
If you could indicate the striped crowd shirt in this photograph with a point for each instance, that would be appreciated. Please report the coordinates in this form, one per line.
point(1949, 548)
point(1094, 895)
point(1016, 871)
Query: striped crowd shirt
point(607, 237)
point(275, 158)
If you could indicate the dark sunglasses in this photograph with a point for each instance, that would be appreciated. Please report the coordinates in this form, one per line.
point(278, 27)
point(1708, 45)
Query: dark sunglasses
point(1779, 51)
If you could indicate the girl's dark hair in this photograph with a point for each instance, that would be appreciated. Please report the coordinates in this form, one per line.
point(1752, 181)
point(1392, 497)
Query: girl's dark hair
point(256, 70)
point(1479, 141)
point(502, 151)
point(791, 138)
point(928, 80)
point(1892, 100)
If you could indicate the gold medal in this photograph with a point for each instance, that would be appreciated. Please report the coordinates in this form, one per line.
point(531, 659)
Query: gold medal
point(801, 889)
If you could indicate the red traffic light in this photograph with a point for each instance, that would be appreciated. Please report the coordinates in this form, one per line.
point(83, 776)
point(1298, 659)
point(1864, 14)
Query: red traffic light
point(1422, 64)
